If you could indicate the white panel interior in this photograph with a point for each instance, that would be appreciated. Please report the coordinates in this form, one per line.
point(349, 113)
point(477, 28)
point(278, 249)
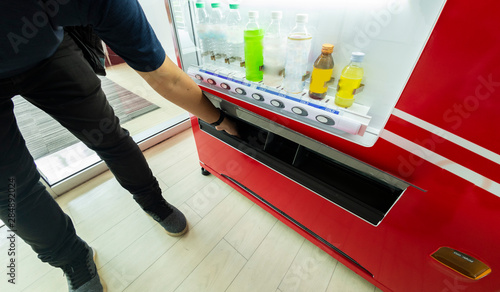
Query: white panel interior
point(392, 34)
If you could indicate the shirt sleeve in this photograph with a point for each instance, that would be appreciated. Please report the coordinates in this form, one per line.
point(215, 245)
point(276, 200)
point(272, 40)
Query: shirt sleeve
point(123, 26)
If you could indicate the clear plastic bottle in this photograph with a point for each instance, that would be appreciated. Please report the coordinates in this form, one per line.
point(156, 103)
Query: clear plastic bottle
point(254, 58)
point(322, 73)
point(297, 55)
point(235, 52)
point(217, 33)
point(274, 51)
point(350, 80)
point(201, 22)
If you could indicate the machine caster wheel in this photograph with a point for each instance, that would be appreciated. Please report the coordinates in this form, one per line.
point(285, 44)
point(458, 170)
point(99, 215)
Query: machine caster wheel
point(205, 172)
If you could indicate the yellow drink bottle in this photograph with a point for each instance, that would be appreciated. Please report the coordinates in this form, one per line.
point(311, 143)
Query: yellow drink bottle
point(350, 80)
point(322, 73)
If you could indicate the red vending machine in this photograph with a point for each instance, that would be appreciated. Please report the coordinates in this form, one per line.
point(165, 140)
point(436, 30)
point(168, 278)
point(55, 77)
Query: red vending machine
point(403, 186)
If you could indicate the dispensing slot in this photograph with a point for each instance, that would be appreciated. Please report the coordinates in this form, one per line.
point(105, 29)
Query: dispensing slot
point(355, 186)
point(252, 136)
point(281, 148)
point(298, 155)
point(348, 181)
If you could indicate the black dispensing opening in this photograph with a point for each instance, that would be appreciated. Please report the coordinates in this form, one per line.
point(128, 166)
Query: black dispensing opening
point(349, 181)
point(250, 135)
point(281, 148)
point(349, 188)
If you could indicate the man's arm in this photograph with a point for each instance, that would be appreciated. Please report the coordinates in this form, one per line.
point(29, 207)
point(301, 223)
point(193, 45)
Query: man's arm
point(122, 25)
point(177, 87)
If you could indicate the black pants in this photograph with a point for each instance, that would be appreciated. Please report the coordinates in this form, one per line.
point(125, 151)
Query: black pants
point(65, 87)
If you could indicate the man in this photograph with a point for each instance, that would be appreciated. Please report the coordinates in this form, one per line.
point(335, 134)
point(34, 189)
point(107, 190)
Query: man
point(42, 64)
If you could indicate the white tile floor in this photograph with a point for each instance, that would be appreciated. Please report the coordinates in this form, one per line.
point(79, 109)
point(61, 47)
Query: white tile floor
point(232, 245)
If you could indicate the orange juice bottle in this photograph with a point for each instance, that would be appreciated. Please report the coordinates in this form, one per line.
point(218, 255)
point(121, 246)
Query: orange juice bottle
point(350, 80)
point(322, 73)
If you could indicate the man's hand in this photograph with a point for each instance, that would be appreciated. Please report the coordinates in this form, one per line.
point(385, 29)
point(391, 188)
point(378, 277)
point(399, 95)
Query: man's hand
point(176, 86)
point(229, 126)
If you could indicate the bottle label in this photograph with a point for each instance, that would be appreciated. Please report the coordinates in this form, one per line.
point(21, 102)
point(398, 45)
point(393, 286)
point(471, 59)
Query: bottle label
point(320, 79)
point(254, 58)
point(347, 86)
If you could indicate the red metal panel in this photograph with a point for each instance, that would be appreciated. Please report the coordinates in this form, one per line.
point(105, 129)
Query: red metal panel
point(443, 147)
point(454, 86)
point(456, 82)
point(452, 212)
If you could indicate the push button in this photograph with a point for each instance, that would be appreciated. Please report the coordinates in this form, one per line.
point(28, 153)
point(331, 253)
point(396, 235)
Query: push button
point(240, 91)
point(258, 97)
point(325, 120)
point(277, 103)
point(299, 111)
point(225, 86)
point(199, 77)
point(211, 81)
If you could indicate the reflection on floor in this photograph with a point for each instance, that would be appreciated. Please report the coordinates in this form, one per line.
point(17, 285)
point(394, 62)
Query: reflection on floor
point(126, 77)
point(45, 136)
point(232, 244)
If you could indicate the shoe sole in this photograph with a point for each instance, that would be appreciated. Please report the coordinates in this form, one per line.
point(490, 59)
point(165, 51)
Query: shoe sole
point(103, 284)
point(178, 233)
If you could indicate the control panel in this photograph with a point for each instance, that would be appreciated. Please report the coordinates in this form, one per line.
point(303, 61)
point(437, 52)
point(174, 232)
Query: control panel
point(293, 105)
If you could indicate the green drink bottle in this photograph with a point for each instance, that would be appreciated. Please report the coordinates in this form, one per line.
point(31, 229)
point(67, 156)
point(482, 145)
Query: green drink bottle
point(254, 58)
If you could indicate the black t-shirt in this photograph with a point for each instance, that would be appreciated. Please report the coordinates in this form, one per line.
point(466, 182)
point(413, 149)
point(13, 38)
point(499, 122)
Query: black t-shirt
point(31, 31)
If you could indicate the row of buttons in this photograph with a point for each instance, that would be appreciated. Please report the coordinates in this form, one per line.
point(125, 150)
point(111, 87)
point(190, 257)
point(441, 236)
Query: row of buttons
point(279, 104)
point(296, 110)
point(274, 102)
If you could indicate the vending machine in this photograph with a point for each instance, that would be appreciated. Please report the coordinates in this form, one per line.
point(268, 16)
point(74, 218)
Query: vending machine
point(402, 186)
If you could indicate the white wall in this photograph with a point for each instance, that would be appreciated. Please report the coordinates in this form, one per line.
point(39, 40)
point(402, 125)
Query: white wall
point(156, 13)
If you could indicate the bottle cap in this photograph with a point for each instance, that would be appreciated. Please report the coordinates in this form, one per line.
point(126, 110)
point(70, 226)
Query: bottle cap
point(234, 6)
point(276, 15)
point(215, 5)
point(302, 18)
point(253, 14)
point(357, 57)
point(327, 48)
point(200, 3)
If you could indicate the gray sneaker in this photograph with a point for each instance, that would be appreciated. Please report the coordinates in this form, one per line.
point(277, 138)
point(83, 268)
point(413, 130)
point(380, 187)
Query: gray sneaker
point(82, 275)
point(175, 223)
